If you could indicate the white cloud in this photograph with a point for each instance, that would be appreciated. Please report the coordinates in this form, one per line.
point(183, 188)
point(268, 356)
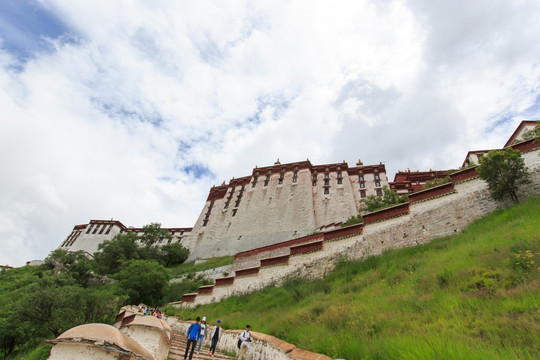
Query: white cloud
point(106, 121)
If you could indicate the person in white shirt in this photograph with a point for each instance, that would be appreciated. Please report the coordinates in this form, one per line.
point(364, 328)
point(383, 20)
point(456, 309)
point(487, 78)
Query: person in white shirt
point(216, 335)
point(245, 338)
point(203, 333)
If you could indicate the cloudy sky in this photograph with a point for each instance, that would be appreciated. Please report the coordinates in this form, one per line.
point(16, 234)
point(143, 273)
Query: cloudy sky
point(132, 109)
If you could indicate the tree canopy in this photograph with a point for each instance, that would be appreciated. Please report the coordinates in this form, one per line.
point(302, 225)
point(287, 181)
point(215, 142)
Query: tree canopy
point(389, 198)
point(504, 171)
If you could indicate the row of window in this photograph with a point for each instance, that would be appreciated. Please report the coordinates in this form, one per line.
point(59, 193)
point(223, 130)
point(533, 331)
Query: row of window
point(100, 227)
point(314, 180)
point(71, 238)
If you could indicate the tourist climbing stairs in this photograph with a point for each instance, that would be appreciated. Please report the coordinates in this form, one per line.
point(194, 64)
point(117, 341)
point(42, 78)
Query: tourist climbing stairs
point(178, 349)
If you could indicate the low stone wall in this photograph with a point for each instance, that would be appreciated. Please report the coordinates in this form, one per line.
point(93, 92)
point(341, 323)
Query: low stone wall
point(211, 274)
point(263, 347)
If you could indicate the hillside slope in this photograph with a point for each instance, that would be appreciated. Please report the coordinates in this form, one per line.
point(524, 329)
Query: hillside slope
point(472, 295)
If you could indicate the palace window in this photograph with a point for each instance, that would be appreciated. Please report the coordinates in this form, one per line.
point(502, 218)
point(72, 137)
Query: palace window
point(379, 192)
point(96, 229)
point(89, 228)
point(109, 229)
point(377, 177)
point(234, 212)
point(363, 193)
point(327, 190)
point(362, 185)
point(360, 178)
point(377, 183)
point(326, 182)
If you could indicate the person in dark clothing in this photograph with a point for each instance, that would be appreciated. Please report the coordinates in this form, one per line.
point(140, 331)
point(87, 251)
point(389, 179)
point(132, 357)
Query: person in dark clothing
point(193, 334)
point(216, 335)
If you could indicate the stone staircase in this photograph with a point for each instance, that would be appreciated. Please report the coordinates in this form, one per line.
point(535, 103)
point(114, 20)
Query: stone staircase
point(178, 349)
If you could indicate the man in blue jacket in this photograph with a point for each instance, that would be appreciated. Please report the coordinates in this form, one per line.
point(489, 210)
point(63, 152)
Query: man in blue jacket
point(193, 334)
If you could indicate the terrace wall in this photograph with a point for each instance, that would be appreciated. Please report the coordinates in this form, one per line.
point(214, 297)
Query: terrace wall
point(436, 212)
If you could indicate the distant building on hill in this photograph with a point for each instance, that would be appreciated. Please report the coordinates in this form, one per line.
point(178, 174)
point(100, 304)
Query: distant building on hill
point(280, 202)
point(277, 203)
point(521, 132)
point(406, 182)
point(87, 237)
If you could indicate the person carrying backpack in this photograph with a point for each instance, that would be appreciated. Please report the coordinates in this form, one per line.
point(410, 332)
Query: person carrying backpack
point(193, 334)
point(244, 342)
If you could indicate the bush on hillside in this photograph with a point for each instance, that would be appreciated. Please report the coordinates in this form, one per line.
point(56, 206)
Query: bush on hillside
point(143, 281)
point(389, 198)
point(504, 171)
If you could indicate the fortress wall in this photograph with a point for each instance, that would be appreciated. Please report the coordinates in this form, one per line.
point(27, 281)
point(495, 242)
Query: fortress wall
point(90, 242)
point(442, 216)
point(266, 215)
point(445, 214)
point(253, 258)
point(336, 206)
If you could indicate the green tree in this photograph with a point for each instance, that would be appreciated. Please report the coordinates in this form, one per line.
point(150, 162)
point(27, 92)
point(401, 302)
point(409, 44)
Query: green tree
point(77, 264)
point(173, 254)
point(143, 281)
point(436, 182)
point(504, 171)
point(352, 220)
point(114, 254)
point(153, 234)
point(533, 133)
point(389, 198)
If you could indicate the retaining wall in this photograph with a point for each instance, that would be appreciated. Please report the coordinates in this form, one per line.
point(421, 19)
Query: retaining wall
point(436, 212)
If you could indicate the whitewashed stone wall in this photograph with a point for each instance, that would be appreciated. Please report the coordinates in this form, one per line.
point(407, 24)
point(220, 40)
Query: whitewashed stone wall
point(65, 351)
point(436, 217)
point(265, 215)
point(263, 347)
point(277, 212)
point(211, 274)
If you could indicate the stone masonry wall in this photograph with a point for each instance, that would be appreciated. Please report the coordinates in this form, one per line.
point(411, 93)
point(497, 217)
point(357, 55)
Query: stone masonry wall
point(442, 215)
point(263, 347)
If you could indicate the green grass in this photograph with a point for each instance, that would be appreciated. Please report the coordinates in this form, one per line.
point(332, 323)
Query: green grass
point(190, 267)
point(475, 295)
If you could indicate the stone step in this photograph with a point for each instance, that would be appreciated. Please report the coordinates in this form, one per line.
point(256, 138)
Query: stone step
point(178, 349)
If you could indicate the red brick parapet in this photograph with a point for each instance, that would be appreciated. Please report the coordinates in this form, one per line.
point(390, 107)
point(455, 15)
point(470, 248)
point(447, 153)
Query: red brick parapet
point(433, 192)
point(127, 320)
point(207, 289)
point(343, 232)
point(247, 272)
point(278, 260)
point(385, 214)
point(526, 145)
point(189, 297)
point(289, 243)
point(120, 316)
point(229, 280)
point(306, 248)
point(464, 175)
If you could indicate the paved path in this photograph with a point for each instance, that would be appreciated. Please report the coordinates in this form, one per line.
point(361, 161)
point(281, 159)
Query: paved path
point(178, 349)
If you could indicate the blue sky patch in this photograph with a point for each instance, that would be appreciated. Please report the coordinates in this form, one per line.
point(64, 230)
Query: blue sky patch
point(197, 171)
point(24, 25)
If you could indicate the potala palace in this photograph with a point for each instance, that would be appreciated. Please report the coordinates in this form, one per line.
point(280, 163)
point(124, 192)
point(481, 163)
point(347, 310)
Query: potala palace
point(278, 203)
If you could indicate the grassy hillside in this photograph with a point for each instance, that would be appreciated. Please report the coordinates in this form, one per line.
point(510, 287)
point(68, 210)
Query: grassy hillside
point(475, 295)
